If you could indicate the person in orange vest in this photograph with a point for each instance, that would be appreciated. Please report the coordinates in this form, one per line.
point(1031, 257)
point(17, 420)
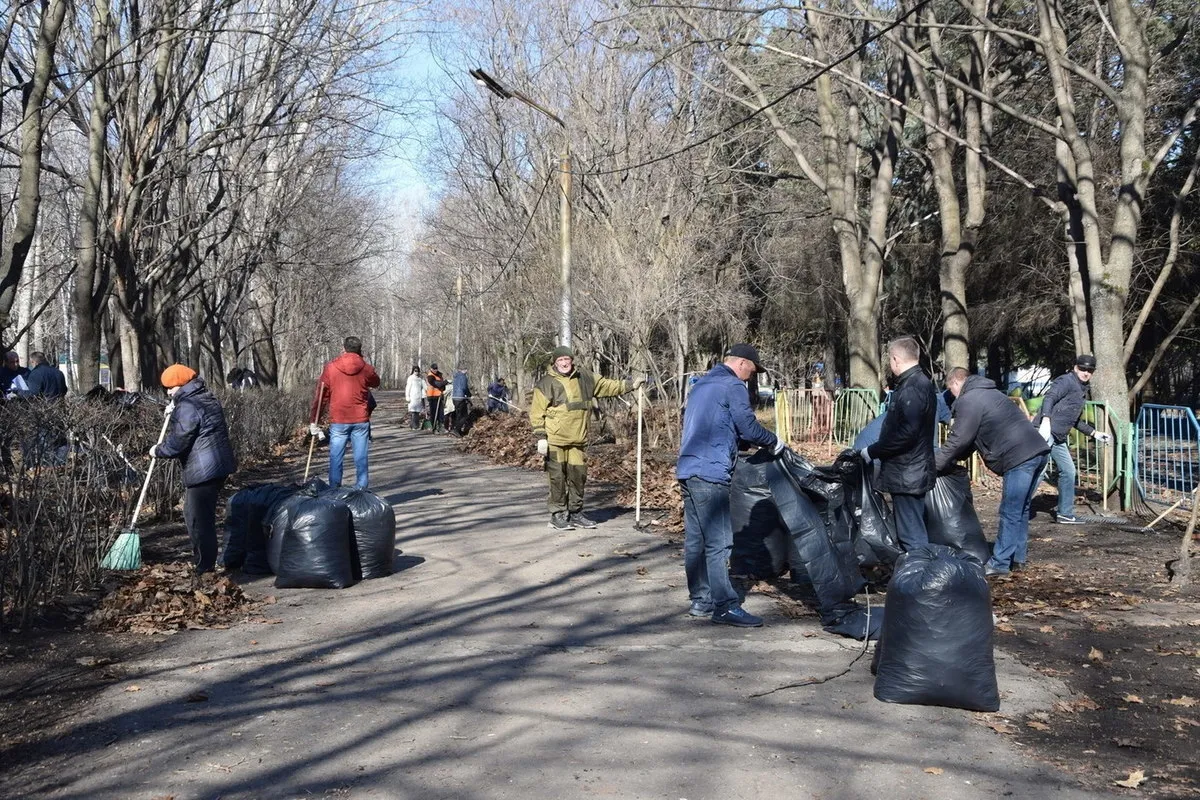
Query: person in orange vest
point(433, 394)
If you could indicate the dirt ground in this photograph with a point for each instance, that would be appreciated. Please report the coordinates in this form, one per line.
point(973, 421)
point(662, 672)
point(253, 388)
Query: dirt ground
point(1094, 609)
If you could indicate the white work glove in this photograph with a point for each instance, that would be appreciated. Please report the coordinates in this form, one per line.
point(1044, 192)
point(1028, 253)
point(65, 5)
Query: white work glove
point(170, 409)
point(1044, 430)
point(154, 451)
point(779, 447)
point(543, 447)
point(865, 455)
point(315, 431)
point(638, 382)
point(1101, 437)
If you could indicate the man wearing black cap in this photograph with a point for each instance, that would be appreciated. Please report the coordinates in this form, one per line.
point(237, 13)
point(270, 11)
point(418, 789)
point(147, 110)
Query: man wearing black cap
point(718, 418)
point(1062, 409)
point(562, 401)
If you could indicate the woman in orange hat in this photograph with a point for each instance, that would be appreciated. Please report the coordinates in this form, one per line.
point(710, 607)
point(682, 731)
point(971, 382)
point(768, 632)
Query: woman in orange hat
point(199, 438)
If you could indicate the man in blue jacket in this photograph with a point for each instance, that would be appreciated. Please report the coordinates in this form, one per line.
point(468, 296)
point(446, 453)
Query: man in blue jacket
point(718, 418)
point(1062, 409)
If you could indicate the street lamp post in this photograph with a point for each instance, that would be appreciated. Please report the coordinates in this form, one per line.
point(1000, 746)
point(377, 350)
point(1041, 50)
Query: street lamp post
point(564, 201)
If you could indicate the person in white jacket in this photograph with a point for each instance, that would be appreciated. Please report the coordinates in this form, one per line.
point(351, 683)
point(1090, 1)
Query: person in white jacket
point(414, 393)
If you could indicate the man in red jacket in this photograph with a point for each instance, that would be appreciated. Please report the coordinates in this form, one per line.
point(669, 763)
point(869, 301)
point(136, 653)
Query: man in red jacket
point(347, 382)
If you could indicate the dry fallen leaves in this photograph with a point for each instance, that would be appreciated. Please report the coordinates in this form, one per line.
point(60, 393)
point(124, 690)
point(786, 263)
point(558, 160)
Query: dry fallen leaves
point(1095, 655)
point(1132, 698)
point(1135, 779)
point(163, 598)
point(1037, 726)
point(934, 770)
point(1185, 701)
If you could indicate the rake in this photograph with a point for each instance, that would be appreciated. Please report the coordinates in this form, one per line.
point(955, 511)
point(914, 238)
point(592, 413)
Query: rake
point(126, 552)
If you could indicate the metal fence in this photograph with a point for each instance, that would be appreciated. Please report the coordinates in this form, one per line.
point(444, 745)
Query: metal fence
point(1166, 455)
point(820, 416)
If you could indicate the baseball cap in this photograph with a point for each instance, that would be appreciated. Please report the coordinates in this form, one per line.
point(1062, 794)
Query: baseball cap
point(744, 351)
point(1086, 361)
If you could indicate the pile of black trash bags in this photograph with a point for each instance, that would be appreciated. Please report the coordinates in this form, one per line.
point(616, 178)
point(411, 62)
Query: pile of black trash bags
point(826, 523)
point(310, 536)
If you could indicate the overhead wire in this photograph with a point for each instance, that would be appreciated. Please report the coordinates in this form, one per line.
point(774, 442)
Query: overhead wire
point(808, 82)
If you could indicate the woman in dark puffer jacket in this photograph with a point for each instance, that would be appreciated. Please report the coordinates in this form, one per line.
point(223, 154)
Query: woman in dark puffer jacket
point(199, 438)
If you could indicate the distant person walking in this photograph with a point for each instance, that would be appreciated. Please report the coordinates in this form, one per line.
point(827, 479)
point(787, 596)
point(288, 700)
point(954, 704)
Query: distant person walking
point(1062, 409)
point(905, 445)
point(718, 420)
point(347, 382)
point(414, 393)
point(199, 438)
point(562, 401)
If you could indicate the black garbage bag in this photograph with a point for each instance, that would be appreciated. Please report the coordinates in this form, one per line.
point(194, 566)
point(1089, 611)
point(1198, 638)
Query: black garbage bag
point(826, 578)
point(950, 515)
point(317, 548)
point(281, 514)
point(374, 525)
point(246, 521)
point(877, 542)
point(858, 623)
point(759, 543)
point(823, 485)
point(936, 645)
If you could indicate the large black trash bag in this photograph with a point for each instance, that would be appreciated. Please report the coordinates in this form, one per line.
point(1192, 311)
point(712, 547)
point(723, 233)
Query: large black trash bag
point(374, 526)
point(859, 623)
point(950, 515)
point(823, 485)
point(759, 543)
point(827, 579)
point(245, 527)
point(281, 514)
point(936, 647)
point(877, 542)
point(317, 549)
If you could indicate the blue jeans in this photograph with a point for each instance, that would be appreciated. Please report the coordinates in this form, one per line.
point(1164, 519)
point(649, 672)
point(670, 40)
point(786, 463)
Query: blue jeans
point(707, 542)
point(357, 433)
point(1060, 454)
point(909, 512)
point(1012, 539)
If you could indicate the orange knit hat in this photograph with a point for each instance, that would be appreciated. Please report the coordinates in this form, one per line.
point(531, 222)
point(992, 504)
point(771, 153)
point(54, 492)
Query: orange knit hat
point(177, 375)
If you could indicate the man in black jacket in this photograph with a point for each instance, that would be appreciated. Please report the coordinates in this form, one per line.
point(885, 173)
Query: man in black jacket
point(905, 445)
point(987, 421)
point(1062, 409)
point(45, 379)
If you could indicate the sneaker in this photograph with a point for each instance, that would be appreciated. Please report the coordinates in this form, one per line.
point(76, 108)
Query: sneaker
point(1065, 520)
point(737, 617)
point(579, 520)
point(699, 609)
point(561, 521)
point(992, 572)
point(1018, 566)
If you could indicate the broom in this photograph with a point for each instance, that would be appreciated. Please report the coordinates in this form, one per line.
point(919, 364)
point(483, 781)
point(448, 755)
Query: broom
point(313, 439)
point(126, 552)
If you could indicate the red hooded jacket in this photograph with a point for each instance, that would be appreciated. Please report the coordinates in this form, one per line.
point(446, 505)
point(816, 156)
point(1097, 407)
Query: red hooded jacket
point(347, 380)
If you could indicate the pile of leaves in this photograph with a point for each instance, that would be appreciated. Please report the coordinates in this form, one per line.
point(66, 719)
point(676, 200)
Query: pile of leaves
point(507, 439)
point(164, 598)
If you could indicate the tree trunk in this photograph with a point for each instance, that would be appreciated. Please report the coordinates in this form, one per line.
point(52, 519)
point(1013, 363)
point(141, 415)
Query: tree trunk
point(29, 176)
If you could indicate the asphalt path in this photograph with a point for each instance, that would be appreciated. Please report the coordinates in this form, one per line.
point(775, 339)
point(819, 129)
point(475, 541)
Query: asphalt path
point(507, 660)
